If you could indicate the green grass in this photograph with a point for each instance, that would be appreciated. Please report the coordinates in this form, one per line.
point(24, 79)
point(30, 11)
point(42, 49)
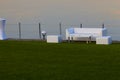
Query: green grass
point(35, 60)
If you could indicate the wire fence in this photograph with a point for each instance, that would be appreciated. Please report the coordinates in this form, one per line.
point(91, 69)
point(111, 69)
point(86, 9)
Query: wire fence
point(33, 31)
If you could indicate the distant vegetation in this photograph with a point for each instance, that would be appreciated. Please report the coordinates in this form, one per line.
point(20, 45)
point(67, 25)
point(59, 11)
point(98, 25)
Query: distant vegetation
point(36, 60)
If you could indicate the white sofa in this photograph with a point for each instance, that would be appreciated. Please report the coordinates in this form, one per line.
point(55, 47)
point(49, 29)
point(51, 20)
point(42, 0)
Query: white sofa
point(82, 33)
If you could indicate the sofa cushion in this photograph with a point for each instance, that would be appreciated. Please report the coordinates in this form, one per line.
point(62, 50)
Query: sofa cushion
point(71, 30)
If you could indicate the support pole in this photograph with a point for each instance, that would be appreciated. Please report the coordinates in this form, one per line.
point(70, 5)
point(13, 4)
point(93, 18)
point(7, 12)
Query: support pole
point(39, 30)
point(60, 28)
point(80, 25)
point(19, 24)
point(103, 26)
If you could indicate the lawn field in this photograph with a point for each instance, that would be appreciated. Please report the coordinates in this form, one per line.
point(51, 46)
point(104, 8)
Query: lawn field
point(36, 60)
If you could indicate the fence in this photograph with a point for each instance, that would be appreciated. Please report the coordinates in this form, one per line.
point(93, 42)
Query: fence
point(33, 31)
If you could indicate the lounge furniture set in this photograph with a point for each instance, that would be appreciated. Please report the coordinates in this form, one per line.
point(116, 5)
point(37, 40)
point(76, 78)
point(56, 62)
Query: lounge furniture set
point(83, 34)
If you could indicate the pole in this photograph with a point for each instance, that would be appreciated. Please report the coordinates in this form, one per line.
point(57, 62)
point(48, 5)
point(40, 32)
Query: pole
point(39, 30)
point(19, 24)
point(60, 28)
point(80, 25)
point(103, 25)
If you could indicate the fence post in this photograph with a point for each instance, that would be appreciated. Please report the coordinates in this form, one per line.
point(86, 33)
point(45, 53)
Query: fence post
point(80, 25)
point(60, 28)
point(103, 25)
point(19, 24)
point(39, 30)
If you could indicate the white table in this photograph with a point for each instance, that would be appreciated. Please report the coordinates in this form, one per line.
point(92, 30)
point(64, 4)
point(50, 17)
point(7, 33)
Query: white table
point(87, 36)
point(54, 38)
point(104, 40)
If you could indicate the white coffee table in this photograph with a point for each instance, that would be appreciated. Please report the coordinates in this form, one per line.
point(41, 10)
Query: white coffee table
point(104, 40)
point(54, 38)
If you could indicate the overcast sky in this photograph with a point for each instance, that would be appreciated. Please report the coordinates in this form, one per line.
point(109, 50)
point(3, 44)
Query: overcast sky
point(66, 11)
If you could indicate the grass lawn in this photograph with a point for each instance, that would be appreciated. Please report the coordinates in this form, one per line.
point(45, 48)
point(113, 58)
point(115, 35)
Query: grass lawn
point(35, 60)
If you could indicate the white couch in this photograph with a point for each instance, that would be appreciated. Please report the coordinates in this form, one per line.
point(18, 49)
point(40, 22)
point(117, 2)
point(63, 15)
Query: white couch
point(82, 33)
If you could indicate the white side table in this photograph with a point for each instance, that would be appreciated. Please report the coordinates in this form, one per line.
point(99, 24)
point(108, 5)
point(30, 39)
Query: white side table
point(104, 40)
point(54, 38)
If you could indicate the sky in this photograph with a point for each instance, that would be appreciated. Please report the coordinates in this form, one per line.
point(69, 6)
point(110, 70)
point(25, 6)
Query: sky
point(65, 11)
